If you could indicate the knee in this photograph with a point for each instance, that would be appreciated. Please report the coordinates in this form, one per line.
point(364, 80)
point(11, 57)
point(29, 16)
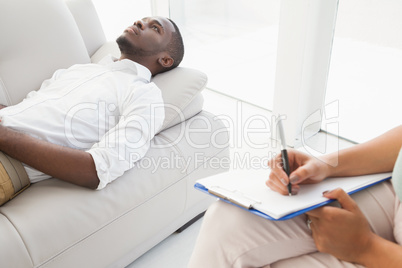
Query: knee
point(220, 212)
point(224, 218)
point(216, 209)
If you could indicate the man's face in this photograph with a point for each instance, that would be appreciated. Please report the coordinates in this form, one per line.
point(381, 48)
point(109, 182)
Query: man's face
point(146, 37)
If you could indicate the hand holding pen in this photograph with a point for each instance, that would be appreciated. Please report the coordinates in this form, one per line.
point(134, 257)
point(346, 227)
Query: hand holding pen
point(303, 168)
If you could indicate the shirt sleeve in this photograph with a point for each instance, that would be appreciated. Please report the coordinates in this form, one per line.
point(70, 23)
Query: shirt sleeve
point(142, 115)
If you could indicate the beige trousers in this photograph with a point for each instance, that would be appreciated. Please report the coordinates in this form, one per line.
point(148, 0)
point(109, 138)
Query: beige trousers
point(233, 237)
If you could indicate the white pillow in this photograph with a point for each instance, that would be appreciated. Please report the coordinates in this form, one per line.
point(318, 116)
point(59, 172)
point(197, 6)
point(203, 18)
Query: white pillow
point(181, 88)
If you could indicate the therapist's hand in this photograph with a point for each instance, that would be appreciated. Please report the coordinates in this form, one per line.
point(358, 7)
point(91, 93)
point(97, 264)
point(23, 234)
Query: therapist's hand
point(304, 169)
point(342, 232)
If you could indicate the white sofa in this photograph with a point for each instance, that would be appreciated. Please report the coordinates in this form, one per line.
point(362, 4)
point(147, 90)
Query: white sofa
point(57, 224)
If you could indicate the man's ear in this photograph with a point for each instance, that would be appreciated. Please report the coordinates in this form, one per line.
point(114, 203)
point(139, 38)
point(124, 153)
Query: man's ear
point(166, 61)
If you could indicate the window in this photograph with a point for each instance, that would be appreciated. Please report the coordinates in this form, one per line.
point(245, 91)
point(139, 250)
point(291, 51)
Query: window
point(233, 42)
point(364, 81)
point(365, 76)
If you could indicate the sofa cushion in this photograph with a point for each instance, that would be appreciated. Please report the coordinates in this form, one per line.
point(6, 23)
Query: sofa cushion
point(181, 88)
point(54, 42)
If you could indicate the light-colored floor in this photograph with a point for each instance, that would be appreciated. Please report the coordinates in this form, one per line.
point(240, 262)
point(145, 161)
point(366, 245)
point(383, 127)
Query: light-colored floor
point(173, 252)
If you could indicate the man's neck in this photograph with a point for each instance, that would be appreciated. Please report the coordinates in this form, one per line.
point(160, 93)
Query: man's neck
point(143, 61)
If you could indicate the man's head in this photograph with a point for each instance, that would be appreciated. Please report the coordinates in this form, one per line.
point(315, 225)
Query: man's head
point(154, 42)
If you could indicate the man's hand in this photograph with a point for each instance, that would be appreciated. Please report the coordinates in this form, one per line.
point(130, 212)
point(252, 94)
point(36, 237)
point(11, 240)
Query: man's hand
point(2, 106)
point(304, 169)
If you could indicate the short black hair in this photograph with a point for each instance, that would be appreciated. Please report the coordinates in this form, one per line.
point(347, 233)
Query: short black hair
point(176, 47)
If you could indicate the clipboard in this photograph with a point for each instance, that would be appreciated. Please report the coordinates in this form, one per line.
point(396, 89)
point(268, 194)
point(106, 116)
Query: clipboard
point(240, 193)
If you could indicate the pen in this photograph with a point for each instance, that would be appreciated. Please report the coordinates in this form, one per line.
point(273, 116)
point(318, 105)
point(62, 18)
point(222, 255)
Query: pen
point(284, 154)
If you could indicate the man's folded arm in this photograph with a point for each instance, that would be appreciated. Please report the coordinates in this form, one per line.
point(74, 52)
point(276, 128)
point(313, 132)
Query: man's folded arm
point(61, 162)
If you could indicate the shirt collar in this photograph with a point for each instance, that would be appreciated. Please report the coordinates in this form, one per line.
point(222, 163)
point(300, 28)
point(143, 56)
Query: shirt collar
point(136, 68)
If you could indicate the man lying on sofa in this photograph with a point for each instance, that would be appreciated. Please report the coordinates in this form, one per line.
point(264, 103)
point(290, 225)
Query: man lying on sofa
point(85, 124)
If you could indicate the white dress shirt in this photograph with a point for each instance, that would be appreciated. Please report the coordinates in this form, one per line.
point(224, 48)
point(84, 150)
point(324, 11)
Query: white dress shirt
point(110, 110)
